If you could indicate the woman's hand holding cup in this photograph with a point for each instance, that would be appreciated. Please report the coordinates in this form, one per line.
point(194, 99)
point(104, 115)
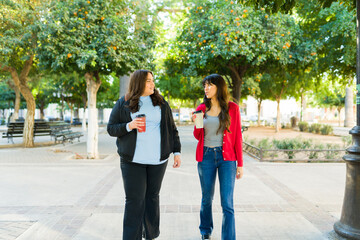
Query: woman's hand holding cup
point(198, 119)
point(136, 123)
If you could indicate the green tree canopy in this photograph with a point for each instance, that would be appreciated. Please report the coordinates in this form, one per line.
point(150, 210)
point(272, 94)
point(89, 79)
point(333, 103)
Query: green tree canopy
point(233, 39)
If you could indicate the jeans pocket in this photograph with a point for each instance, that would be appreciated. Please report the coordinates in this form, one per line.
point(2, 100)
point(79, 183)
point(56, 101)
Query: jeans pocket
point(206, 150)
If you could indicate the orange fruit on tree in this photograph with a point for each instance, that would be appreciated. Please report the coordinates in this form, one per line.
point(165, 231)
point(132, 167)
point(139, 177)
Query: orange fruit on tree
point(88, 2)
point(266, 16)
point(114, 47)
point(288, 44)
point(102, 18)
point(244, 15)
point(204, 41)
point(75, 13)
point(232, 2)
point(86, 12)
point(276, 33)
point(245, 11)
point(290, 56)
point(199, 35)
point(282, 35)
point(211, 17)
point(238, 24)
point(227, 23)
point(69, 55)
point(231, 10)
point(284, 47)
point(225, 34)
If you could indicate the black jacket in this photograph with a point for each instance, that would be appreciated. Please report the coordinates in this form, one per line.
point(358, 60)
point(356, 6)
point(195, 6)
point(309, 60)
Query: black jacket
point(126, 141)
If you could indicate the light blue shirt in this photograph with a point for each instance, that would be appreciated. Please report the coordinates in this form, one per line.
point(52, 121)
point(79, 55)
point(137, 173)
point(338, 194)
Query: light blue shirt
point(148, 143)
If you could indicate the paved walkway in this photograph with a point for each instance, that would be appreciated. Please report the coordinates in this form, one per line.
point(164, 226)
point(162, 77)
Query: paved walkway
point(46, 194)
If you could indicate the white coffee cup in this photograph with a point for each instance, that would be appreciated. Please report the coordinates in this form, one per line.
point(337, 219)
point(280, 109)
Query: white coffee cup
point(199, 119)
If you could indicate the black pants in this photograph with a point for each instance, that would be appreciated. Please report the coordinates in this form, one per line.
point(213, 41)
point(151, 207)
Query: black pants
point(142, 185)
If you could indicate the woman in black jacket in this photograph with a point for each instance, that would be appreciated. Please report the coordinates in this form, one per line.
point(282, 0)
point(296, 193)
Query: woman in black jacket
point(144, 148)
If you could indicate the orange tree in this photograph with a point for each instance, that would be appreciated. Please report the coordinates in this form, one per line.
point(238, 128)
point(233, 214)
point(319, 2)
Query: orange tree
point(231, 39)
point(94, 38)
point(18, 40)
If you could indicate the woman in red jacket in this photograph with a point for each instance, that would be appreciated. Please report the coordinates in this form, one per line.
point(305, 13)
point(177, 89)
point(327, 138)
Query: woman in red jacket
point(219, 150)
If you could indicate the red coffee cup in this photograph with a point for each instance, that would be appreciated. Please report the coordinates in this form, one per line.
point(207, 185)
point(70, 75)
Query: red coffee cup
point(143, 120)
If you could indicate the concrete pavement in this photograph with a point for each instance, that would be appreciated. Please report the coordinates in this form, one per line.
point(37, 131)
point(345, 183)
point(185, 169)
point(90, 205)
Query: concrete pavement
point(46, 194)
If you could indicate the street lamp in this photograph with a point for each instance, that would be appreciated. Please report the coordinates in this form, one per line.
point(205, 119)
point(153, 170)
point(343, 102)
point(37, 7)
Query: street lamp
point(349, 224)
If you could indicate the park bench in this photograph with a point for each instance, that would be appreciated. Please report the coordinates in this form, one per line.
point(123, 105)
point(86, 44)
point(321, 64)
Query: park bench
point(16, 129)
point(61, 132)
point(244, 128)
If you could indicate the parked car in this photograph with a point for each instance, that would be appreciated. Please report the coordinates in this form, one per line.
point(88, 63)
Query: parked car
point(76, 121)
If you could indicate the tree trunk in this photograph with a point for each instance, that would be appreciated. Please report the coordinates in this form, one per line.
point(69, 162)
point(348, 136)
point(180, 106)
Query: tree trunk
point(28, 138)
point(62, 106)
point(349, 112)
point(168, 98)
point(92, 136)
point(236, 77)
point(259, 110)
point(84, 116)
point(303, 107)
point(339, 111)
point(278, 123)
point(21, 82)
point(16, 89)
point(42, 108)
point(71, 106)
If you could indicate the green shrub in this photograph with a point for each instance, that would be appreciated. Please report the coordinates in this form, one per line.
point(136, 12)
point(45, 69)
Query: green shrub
point(288, 144)
point(347, 140)
point(326, 130)
point(303, 126)
point(332, 154)
point(315, 154)
point(252, 142)
point(265, 144)
point(315, 128)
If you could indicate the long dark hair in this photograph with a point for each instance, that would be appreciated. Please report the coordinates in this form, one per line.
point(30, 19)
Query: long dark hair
point(136, 89)
point(223, 98)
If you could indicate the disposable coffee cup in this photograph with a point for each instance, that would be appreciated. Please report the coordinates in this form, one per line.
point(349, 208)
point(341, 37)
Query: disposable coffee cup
point(198, 119)
point(143, 120)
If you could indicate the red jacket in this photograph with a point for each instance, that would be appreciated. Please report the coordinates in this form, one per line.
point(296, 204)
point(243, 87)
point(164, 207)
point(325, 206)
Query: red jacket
point(232, 142)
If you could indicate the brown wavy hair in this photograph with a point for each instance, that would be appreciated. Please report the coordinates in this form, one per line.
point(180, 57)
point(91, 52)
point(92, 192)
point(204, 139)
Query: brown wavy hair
point(136, 89)
point(223, 98)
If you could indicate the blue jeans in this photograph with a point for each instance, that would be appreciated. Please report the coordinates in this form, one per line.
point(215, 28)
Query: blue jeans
point(213, 162)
